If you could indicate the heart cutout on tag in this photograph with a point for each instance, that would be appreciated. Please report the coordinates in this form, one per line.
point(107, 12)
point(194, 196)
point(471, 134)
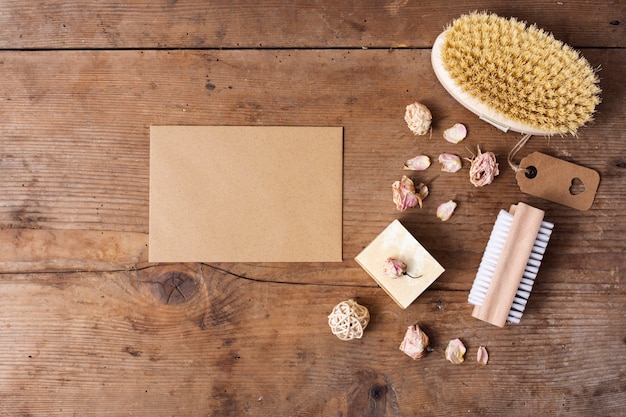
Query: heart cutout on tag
point(577, 187)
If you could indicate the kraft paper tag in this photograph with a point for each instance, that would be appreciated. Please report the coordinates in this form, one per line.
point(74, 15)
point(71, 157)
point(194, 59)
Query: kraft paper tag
point(558, 181)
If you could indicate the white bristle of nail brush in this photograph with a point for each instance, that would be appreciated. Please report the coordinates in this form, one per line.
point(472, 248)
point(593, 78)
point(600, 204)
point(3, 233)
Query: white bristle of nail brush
point(490, 258)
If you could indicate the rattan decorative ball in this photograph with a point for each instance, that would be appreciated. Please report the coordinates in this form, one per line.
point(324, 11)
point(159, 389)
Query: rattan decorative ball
point(348, 320)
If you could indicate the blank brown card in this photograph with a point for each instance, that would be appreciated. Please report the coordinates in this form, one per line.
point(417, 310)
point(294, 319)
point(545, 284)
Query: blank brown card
point(245, 194)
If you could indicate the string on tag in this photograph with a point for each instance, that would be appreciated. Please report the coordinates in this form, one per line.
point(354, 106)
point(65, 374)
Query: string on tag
point(518, 147)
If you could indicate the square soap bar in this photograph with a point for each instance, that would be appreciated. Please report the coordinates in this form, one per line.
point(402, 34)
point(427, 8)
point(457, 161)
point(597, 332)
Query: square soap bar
point(397, 242)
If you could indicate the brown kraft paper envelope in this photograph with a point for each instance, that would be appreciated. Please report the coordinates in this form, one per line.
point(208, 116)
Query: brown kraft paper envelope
point(245, 194)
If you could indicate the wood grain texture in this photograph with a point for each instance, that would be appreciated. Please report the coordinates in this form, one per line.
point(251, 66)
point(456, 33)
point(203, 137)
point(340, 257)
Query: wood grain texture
point(76, 146)
point(89, 327)
point(108, 24)
point(94, 344)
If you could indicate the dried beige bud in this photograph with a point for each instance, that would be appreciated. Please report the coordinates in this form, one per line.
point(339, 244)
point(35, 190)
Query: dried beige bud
point(415, 342)
point(482, 357)
point(484, 168)
point(455, 351)
point(418, 163)
point(418, 118)
point(456, 133)
point(445, 210)
point(394, 268)
point(450, 162)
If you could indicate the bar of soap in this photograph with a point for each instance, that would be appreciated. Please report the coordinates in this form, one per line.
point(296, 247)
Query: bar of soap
point(397, 242)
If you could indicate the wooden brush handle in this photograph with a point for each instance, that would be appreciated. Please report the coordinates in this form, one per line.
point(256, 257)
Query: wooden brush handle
point(511, 264)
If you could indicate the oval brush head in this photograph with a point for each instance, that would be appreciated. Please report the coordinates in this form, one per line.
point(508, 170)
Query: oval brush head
point(515, 76)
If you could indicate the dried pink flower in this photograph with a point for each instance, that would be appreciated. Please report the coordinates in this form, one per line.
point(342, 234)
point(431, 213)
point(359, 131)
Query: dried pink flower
point(455, 351)
point(418, 118)
point(482, 357)
point(484, 168)
point(445, 210)
point(404, 195)
point(456, 133)
point(394, 268)
point(450, 162)
point(418, 163)
point(415, 342)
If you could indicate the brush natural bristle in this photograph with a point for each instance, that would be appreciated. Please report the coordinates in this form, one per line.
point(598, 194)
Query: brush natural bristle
point(521, 72)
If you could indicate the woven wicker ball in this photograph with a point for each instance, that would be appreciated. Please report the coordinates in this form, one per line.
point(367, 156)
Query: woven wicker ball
point(348, 320)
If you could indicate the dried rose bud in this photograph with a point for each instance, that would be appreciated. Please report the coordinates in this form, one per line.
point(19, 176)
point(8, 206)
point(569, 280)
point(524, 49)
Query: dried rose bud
point(455, 351)
point(415, 342)
point(455, 134)
point(394, 268)
point(484, 168)
point(418, 118)
point(482, 357)
point(404, 194)
point(418, 163)
point(445, 210)
point(450, 162)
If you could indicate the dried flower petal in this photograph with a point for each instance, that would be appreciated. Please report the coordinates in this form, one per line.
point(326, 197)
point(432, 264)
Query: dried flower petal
point(450, 162)
point(455, 134)
point(394, 268)
point(484, 168)
point(418, 163)
point(482, 357)
point(404, 194)
point(455, 351)
point(415, 342)
point(418, 118)
point(445, 210)
point(422, 192)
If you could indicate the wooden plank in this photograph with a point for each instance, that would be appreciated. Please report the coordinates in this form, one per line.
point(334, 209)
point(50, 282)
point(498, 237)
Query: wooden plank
point(93, 344)
point(45, 24)
point(74, 152)
point(27, 250)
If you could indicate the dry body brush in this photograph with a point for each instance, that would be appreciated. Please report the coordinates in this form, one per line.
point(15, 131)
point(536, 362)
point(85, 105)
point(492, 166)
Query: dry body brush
point(515, 75)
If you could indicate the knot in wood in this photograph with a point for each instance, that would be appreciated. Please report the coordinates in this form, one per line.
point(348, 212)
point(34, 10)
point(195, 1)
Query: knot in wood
point(174, 287)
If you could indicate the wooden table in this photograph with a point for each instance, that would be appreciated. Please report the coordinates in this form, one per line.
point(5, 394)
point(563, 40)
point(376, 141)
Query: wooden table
point(88, 327)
